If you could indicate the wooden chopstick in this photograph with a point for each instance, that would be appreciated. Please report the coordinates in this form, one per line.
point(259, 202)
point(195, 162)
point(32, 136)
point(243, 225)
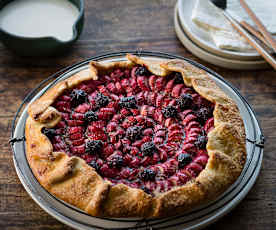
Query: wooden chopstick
point(255, 32)
point(260, 25)
point(251, 40)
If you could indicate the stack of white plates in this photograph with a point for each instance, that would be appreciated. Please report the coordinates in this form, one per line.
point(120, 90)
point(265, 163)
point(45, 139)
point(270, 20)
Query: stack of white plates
point(196, 41)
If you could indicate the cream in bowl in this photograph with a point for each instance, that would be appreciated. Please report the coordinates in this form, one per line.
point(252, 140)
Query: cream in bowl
point(41, 23)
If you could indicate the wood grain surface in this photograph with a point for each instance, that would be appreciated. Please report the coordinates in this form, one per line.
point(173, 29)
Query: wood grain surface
point(119, 25)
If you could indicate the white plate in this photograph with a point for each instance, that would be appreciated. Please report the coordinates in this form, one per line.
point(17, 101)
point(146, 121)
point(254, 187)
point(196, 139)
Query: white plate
point(213, 58)
point(200, 38)
point(195, 219)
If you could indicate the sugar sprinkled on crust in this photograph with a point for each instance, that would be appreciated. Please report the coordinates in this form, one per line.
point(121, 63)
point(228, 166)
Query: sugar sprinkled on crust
point(72, 180)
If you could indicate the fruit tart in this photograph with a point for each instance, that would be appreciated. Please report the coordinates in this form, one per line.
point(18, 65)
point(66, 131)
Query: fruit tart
point(136, 138)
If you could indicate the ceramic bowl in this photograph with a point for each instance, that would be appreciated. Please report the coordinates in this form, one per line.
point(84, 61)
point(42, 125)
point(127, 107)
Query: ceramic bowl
point(42, 46)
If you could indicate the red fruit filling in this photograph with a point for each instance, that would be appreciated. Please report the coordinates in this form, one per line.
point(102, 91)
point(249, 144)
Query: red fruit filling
point(135, 128)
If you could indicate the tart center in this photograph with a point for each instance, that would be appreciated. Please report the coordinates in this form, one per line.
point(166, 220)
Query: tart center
point(136, 128)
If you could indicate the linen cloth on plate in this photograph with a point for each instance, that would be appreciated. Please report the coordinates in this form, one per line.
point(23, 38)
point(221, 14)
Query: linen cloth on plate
point(209, 18)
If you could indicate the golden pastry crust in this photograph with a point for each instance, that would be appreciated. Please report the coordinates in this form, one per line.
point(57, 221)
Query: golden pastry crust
point(73, 181)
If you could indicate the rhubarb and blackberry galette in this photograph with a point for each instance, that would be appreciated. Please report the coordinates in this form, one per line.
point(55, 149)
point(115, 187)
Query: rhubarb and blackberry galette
point(137, 138)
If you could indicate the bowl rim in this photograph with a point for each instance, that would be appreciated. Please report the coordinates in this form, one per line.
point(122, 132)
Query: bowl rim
point(49, 38)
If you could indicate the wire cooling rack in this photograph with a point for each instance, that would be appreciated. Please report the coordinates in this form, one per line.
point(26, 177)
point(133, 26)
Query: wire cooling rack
point(194, 219)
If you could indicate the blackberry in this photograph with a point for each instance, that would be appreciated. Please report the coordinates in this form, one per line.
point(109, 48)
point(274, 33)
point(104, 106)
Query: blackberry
point(203, 114)
point(128, 102)
point(201, 141)
point(134, 132)
point(184, 101)
point(169, 111)
point(178, 79)
point(146, 190)
point(90, 116)
point(93, 146)
point(142, 71)
point(101, 100)
point(148, 149)
point(78, 97)
point(50, 133)
point(183, 160)
point(147, 174)
point(116, 162)
point(95, 165)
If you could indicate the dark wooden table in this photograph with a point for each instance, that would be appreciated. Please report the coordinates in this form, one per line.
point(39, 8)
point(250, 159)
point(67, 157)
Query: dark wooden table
point(116, 25)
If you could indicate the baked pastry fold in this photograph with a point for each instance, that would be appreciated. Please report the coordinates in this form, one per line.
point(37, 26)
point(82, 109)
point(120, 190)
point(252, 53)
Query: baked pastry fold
point(72, 180)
